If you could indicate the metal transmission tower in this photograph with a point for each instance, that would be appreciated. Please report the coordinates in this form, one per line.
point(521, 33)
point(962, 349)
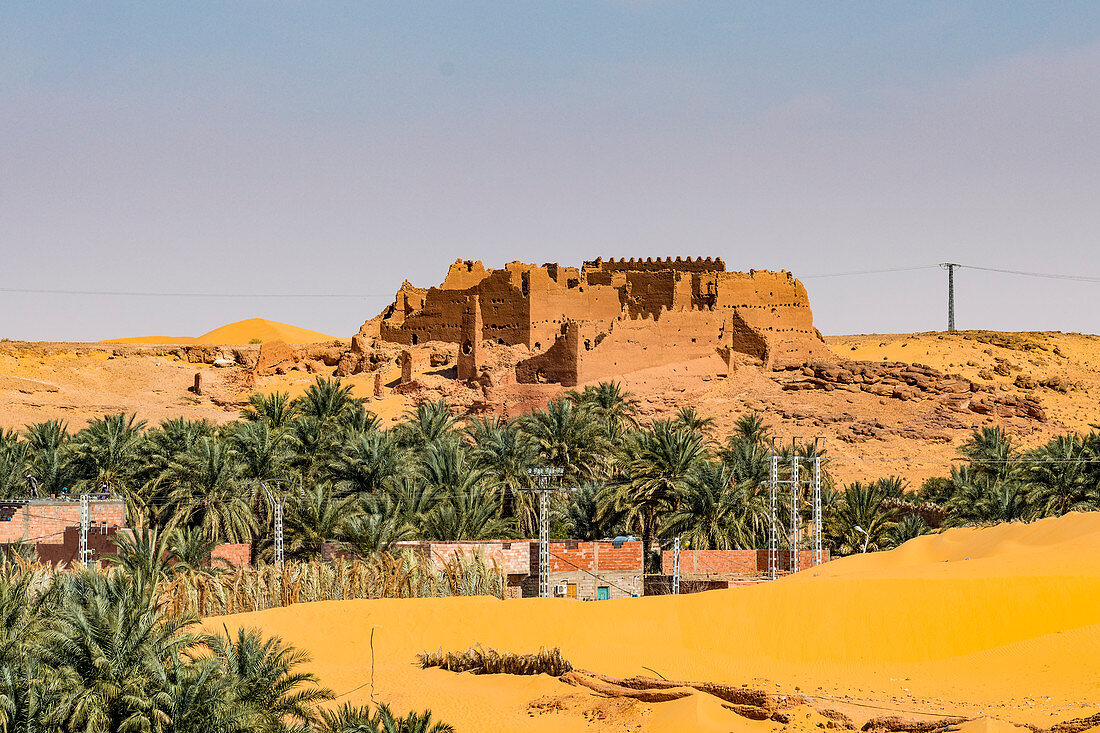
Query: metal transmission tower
point(85, 520)
point(818, 554)
point(950, 267)
point(773, 503)
point(796, 502)
point(543, 477)
point(277, 505)
point(797, 485)
point(676, 565)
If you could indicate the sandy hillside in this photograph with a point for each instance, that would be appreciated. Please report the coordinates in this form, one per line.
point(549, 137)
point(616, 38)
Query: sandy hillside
point(1000, 624)
point(914, 433)
point(252, 330)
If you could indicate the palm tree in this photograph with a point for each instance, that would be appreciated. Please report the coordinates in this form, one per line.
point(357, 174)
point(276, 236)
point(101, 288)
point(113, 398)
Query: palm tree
point(910, 527)
point(326, 400)
point(107, 452)
point(658, 474)
point(991, 454)
point(356, 419)
point(191, 549)
point(505, 453)
point(978, 496)
point(1061, 478)
point(427, 423)
point(13, 466)
point(689, 419)
point(314, 446)
point(315, 517)
point(267, 679)
point(108, 646)
point(350, 719)
point(367, 463)
point(568, 437)
point(49, 458)
point(143, 553)
point(711, 515)
point(466, 508)
point(263, 451)
point(377, 527)
point(209, 491)
point(616, 408)
point(583, 515)
point(859, 519)
point(204, 698)
point(277, 410)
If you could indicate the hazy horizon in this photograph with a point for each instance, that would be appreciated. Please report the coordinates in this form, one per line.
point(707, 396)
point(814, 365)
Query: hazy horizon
point(343, 147)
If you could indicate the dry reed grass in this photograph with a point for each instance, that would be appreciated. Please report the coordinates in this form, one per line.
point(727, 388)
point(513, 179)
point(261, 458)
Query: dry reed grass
point(221, 592)
point(489, 661)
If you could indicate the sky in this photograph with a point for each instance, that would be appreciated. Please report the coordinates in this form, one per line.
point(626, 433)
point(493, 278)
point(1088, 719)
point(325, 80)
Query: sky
point(339, 148)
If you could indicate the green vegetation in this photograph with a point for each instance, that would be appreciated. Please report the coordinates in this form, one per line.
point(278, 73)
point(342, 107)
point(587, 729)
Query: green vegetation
point(90, 651)
point(345, 478)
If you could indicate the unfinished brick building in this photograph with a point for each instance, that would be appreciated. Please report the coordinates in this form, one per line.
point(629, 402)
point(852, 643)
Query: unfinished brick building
point(609, 317)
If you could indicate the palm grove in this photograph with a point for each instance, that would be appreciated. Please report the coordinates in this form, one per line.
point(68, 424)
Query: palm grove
point(345, 478)
point(94, 650)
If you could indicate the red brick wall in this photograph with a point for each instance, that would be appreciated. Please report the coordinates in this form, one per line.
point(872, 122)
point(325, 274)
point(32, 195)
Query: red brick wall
point(46, 521)
point(739, 562)
point(238, 555)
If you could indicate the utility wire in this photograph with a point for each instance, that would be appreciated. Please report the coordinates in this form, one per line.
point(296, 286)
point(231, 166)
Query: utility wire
point(869, 272)
point(1047, 275)
point(148, 294)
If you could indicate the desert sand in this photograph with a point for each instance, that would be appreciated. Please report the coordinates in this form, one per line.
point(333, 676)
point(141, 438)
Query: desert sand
point(250, 330)
point(866, 436)
point(999, 624)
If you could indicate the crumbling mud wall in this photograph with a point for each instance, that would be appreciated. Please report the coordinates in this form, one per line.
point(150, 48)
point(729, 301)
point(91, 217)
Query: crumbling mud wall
point(609, 317)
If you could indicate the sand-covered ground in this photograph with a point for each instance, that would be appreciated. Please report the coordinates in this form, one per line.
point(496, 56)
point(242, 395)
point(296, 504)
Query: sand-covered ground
point(866, 435)
point(1001, 624)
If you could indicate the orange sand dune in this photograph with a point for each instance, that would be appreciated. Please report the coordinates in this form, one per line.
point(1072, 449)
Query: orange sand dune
point(1002, 623)
point(241, 332)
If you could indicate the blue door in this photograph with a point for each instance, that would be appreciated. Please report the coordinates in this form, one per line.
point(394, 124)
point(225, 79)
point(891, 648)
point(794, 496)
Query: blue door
point(603, 593)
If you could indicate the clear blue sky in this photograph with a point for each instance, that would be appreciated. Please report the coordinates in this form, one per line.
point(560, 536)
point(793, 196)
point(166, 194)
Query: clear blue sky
point(343, 147)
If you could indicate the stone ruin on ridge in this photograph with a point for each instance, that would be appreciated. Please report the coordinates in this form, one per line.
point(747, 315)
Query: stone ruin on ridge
point(607, 318)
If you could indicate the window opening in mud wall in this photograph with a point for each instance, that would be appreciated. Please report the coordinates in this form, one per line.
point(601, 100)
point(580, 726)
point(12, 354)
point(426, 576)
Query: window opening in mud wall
point(415, 339)
point(467, 348)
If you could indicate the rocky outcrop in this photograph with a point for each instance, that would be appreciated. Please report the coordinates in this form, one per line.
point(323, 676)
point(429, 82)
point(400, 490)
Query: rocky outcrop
point(900, 381)
point(276, 357)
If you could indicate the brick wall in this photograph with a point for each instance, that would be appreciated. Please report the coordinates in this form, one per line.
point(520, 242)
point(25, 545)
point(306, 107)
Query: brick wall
point(733, 562)
point(44, 520)
point(513, 558)
point(237, 555)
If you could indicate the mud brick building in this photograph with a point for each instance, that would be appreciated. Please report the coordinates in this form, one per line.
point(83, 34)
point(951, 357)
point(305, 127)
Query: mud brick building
point(609, 317)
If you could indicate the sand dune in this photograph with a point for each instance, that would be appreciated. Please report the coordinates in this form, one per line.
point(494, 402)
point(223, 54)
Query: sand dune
point(997, 622)
point(241, 332)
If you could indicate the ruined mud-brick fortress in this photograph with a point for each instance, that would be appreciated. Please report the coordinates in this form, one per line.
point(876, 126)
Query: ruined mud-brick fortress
point(609, 317)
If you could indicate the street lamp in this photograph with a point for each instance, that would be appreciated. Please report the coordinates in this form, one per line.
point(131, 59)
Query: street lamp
point(866, 537)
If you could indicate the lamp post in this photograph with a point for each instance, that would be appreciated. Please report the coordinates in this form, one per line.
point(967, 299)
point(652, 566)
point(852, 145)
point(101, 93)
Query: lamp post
point(866, 537)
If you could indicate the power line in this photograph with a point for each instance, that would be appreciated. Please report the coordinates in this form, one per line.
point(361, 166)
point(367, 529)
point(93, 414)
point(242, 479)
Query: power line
point(869, 272)
point(149, 294)
point(1047, 275)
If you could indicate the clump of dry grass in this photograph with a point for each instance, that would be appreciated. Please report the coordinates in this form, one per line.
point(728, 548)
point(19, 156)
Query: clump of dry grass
point(489, 661)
